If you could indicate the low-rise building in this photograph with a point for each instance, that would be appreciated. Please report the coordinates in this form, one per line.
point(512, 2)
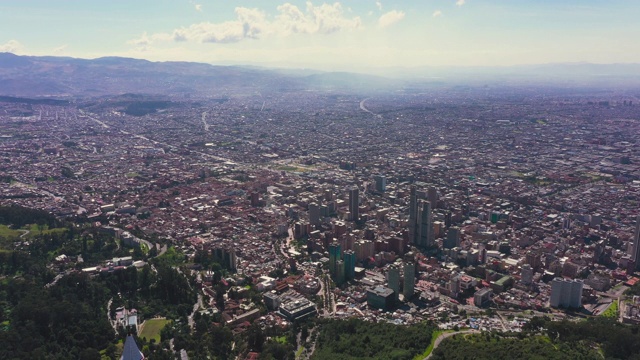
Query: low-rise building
point(298, 309)
point(380, 297)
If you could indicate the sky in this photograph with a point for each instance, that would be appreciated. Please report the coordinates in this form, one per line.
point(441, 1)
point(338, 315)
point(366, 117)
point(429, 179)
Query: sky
point(346, 35)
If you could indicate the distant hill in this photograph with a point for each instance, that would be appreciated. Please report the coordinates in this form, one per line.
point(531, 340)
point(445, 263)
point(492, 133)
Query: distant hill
point(352, 81)
point(32, 76)
point(65, 77)
point(563, 74)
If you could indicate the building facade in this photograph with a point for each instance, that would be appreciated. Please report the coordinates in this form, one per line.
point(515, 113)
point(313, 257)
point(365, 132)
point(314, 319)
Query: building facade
point(566, 293)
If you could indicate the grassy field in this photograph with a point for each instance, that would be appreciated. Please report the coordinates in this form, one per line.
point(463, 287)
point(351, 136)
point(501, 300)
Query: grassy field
point(612, 311)
point(291, 168)
point(151, 329)
point(5, 231)
point(34, 230)
point(8, 236)
point(144, 248)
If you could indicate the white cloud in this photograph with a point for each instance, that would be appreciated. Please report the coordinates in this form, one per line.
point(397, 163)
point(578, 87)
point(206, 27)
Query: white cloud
point(143, 43)
point(254, 24)
point(379, 5)
point(197, 7)
point(323, 19)
point(145, 40)
point(12, 46)
point(250, 24)
point(436, 14)
point(460, 2)
point(60, 49)
point(390, 18)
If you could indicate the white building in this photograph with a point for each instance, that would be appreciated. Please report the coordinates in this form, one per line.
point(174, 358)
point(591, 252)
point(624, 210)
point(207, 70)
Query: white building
point(526, 274)
point(566, 293)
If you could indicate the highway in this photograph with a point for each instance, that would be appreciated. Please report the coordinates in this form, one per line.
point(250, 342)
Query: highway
point(363, 108)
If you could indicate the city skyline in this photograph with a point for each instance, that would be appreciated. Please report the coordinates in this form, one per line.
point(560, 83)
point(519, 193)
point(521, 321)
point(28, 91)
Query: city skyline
point(346, 35)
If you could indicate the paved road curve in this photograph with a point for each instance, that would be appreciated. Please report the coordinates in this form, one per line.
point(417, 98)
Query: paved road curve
point(449, 334)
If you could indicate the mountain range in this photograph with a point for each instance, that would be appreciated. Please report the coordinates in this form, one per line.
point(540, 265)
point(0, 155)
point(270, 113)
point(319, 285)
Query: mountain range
point(66, 77)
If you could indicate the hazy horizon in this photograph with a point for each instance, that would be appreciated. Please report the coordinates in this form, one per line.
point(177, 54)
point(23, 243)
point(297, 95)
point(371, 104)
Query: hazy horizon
point(331, 36)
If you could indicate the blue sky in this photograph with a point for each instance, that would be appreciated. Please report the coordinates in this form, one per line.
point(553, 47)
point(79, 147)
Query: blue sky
point(345, 35)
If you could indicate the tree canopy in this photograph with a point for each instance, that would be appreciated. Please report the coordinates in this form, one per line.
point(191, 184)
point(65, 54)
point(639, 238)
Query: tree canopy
point(357, 339)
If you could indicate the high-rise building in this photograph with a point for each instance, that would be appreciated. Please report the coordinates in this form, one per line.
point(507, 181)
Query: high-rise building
point(324, 211)
point(334, 256)
point(349, 257)
point(557, 286)
point(636, 244)
point(526, 274)
point(226, 257)
point(575, 297)
point(255, 199)
point(328, 195)
point(409, 280)
point(424, 236)
point(598, 251)
point(354, 203)
point(380, 182)
point(358, 247)
point(343, 244)
point(453, 238)
point(351, 239)
point(299, 230)
point(454, 286)
point(339, 229)
point(314, 214)
point(533, 258)
point(432, 196)
point(340, 272)
point(566, 293)
point(364, 249)
point(413, 213)
point(396, 244)
point(393, 280)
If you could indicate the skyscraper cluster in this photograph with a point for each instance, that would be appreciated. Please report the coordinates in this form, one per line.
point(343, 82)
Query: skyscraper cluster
point(408, 280)
point(342, 265)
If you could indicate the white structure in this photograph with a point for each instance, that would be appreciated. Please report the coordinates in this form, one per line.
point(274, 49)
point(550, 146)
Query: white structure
point(526, 274)
point(266, 283)
point(126, 318)
point(566, 293)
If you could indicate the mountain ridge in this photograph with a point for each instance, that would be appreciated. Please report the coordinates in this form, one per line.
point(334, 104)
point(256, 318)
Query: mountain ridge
point(67, 77)
point(73, 77)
